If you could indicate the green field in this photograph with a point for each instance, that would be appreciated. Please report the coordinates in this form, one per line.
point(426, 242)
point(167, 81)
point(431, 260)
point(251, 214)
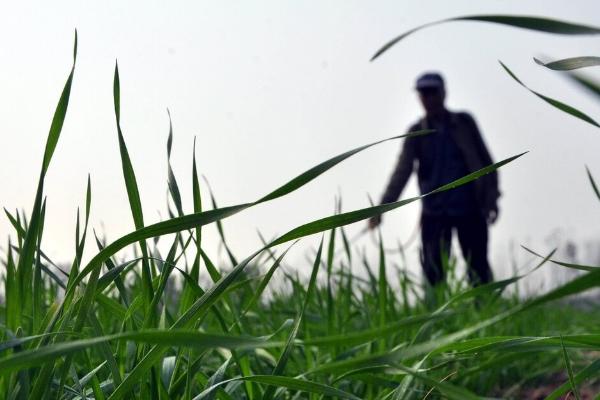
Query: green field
point(165, 325)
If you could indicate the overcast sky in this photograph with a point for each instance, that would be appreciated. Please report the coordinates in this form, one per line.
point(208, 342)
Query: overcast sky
point(270, 89)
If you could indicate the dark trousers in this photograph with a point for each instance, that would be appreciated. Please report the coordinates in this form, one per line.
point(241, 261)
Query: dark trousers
point(436, 236)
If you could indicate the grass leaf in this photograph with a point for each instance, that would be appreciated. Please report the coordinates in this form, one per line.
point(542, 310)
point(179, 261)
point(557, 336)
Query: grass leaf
point(546, 25)
point(293, 384)
point(568, 64)
point(555, 103)
point(569, 370)
point(593, 182)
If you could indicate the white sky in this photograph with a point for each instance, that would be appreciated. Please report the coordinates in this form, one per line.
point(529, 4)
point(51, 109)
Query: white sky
point(272, 88)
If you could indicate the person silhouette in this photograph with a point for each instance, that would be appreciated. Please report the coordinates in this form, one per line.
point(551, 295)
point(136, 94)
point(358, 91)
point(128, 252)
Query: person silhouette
point(454, 149)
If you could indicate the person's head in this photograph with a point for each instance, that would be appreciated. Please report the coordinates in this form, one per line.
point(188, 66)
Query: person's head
point(431, 92)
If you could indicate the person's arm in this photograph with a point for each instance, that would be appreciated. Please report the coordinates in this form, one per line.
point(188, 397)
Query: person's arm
point(492, 192)
point(404, 167)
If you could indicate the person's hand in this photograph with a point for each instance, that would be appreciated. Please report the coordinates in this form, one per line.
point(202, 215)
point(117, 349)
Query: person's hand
point(374, 222)
point(493, 215)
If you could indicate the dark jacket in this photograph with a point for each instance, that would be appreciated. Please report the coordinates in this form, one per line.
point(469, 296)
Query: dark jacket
point(468, 139)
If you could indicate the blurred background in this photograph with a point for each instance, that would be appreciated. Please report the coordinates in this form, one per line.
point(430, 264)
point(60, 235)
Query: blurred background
point(271, 88)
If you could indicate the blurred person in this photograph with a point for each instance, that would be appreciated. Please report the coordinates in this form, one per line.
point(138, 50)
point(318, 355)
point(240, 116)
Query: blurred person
point(454, 149)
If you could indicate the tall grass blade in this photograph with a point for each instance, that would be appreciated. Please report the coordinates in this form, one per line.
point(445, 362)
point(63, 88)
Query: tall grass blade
point(382, 300)
point(171, 181)
point(314, 172)
point(291, 383)
point(195, 271)
point(38, 292)
point(589, 84)
point(372, 334)
point(219, 224)
point(264, 282)
point(568, 64)
point(564, 264)
point(590, 371)
point(113, 276)
point(59, 115)
point(569, 370)
point(347, 218)
point(164, 338)
point(555, 103)
point(215, 379)
point(287, 350)
point(447, 389)
point(525, 22)
point(24, 270)
point(132, 191)
point(593, 182)
point(12, 295)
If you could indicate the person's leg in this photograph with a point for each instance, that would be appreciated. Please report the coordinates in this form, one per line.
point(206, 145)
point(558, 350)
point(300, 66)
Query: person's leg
point(435, 238)
point(473, 238)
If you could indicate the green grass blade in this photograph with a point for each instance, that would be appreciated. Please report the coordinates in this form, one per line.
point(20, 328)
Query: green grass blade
point(590, 85)
point(330, 305)
point(590, 371)
point(314, 172)
point(171, 181)
point(347, 248)
point(106, 352)
point(24, 269)
point(564, 264)
point(59, 115)
point(38, 285)
point(382, 288)
point(88, 377)
point(593, 183)
point(264, 282)
point(568, 64)
point(488, 288)
point(165, 338)
point(132, 190)
point(214, 273)
point(113, 274)
point(449, 390)
point(555, 103)
point(372, 334)
point(525, 22)
point(287, 350)
point(291, 383)
point(197, 209)
point(21, 232)
point(347, 218)
point(505, 344)
point(88, 199)
point(402, 391)
point(196, 183)
point(580, 284)
point(12, 295)
point(168, 266)
point(220, 228)
point(187, 297)
point(216, 378)
point(569, 370)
